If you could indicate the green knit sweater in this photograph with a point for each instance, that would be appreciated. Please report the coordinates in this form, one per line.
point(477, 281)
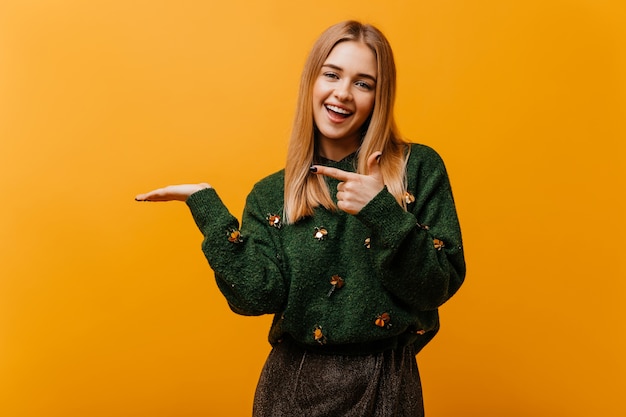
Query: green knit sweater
point(335, 282)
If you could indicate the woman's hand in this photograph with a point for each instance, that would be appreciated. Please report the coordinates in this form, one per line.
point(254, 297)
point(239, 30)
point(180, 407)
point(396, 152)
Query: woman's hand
point(355, 190)
point(172, 192)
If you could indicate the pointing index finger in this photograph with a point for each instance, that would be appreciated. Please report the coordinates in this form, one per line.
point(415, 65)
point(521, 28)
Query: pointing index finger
point(331, 172)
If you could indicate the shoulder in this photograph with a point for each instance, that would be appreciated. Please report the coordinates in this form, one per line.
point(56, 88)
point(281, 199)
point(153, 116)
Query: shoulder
point(270, 189)
point(423, 152)
point(423, 157)
point(271, 182)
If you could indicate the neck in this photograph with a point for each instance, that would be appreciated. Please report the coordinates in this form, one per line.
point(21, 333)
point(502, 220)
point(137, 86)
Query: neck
point(336, 150)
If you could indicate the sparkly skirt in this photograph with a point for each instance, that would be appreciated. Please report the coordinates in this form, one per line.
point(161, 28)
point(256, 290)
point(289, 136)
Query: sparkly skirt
point(296, 382)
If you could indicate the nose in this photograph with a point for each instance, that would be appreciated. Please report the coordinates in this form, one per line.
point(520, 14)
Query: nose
point(342, 91)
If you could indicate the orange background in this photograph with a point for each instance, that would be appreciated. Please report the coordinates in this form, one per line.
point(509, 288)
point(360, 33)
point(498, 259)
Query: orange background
point(107, 306)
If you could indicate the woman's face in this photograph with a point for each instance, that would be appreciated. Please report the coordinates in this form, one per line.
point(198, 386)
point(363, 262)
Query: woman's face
point(343, 96)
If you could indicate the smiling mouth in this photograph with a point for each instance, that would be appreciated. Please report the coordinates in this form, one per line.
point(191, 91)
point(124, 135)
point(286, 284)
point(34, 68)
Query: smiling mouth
point(338, 111)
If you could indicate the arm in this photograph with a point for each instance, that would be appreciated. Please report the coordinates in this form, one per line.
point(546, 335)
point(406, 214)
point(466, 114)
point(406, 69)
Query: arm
point(246, 265)
point(407, 245)
point(247, 268)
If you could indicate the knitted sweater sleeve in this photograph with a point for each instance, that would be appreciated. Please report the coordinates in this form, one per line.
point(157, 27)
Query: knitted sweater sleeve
point(418, 253)
point(247, 268)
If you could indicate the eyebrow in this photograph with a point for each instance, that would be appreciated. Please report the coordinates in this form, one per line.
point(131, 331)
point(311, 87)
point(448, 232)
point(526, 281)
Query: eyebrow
point(362, 75)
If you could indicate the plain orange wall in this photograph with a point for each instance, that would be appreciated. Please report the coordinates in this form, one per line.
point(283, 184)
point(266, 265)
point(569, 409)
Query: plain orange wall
point(107, 306)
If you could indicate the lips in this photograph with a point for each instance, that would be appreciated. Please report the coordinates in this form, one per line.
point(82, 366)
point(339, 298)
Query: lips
point(337, 113)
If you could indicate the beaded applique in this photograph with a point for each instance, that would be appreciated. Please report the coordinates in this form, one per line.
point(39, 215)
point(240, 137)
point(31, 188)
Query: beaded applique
point(423, 226)
point(408, 197)
point(274, 220)
point(438, 244)
point(234, 236)
point(337, 282)
point(318, 336)
point(320, 233)
point(383, 320)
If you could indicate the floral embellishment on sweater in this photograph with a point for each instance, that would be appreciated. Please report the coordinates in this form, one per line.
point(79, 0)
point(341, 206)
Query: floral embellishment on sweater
point(368, 243)
point(274, 220)
point(383, 320)
point(318, 336)
point(423, 226)
point(337, 282)
point(320, 233)
point(408, 197)
point(234, 236)
point(438, 244)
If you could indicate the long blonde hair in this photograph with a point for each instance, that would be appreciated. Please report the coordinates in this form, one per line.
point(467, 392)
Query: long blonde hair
point(303, 191)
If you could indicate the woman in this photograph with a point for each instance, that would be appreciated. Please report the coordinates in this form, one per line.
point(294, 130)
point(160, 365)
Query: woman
point(352, 247)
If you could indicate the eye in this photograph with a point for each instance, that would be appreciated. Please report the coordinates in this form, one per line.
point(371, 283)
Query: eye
point(332, 75)
point(364, 85)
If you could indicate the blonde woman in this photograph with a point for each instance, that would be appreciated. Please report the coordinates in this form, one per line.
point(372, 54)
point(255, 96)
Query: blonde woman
point(352, 247)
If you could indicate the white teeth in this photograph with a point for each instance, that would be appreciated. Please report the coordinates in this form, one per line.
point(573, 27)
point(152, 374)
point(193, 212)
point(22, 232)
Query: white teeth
point(337, 109)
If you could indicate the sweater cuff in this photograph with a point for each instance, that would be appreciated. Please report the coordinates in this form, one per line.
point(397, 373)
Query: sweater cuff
point(389, 222)
point(206, 206)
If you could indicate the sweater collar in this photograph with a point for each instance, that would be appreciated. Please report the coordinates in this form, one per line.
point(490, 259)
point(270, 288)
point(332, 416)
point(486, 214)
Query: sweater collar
point(347, 164)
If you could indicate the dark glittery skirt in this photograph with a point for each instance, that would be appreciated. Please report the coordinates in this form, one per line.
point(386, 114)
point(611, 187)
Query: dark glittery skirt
point(296, 382)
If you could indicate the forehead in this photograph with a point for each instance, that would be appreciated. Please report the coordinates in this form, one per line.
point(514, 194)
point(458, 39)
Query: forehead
point(353, 56)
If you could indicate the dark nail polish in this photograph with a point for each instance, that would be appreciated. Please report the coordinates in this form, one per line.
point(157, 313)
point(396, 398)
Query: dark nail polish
point(378, 158)
point(313, 169)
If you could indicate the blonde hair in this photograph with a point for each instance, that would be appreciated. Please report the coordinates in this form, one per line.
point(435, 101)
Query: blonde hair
point(303, 191)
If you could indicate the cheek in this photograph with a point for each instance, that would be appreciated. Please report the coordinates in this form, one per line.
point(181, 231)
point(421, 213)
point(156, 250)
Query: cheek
point(318, 91)
point(367, 106)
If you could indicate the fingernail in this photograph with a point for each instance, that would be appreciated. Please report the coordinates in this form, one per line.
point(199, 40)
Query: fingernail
point(378, 157)
point(313, 169)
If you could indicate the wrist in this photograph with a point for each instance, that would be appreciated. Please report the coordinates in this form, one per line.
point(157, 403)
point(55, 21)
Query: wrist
point(197, 188)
